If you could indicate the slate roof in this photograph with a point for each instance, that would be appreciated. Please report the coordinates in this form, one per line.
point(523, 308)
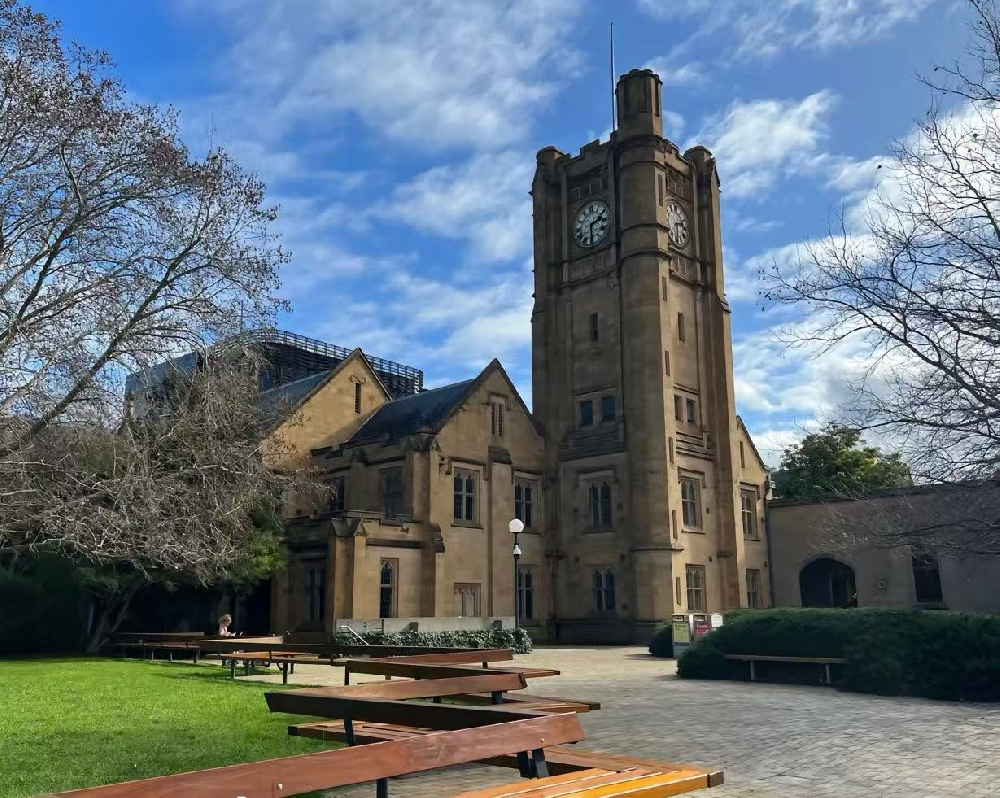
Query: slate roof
point(412, 414)
point(280, 400)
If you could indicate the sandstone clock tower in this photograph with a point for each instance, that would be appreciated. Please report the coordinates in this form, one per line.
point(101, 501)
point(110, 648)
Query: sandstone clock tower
point(650, 476)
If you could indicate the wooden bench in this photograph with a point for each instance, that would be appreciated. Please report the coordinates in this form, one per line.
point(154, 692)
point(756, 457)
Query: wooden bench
point(152, 646)
point(523, 737)
point(286, 661)
point(655, 782)
point(422, 670)
point(826, 662)
point(367, 720)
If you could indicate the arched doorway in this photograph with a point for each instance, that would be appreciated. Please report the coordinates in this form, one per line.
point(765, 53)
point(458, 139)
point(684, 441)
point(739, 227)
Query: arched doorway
point(827, 583)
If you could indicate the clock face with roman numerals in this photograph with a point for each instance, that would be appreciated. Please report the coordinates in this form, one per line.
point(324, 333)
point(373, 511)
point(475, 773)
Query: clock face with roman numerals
point(591, 224)
point(677, 224)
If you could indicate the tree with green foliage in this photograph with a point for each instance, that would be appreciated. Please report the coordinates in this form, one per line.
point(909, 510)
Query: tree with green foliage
point(835, 461)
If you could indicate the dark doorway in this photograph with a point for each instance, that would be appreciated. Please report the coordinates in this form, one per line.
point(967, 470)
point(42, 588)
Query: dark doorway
point(828, 583)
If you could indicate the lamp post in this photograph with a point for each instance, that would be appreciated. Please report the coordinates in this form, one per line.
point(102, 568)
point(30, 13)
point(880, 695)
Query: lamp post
point(516, 527)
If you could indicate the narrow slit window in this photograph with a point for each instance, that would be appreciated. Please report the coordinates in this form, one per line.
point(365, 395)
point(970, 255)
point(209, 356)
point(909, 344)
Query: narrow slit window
point(692, 412)
point(681, 336)
point(666, 362)
point(357, 397)
point(594, 328)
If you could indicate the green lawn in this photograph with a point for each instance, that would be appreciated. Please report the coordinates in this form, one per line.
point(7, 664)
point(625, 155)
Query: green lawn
point(81, 722)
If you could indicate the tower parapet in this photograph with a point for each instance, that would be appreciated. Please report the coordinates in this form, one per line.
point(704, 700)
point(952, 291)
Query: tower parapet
point(640, 104)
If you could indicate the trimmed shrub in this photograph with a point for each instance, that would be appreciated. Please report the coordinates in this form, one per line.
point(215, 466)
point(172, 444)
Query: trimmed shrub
point(518, 641)
point(939, 655)
point(662, 642)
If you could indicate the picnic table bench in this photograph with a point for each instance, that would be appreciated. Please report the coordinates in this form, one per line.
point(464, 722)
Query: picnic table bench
point(154, 645)
point(826, 662)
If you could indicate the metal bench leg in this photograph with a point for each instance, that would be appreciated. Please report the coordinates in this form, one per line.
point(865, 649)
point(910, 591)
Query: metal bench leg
point(436, 699)
point(347, 675)
point(538, 764)
point(826, 667)
point(196, 656)
point(523, 764)
point(284, 672)
point(382, 788)
point(292, 666)
point(232, 667)
point(753, 672)
point(349, 731)
point(170, 655)
point(496, 697)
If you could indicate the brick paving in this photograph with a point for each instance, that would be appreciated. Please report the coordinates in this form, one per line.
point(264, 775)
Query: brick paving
point(771, 740)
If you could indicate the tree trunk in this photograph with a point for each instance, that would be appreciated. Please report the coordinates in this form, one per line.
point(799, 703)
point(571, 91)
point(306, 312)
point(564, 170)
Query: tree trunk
point(111, 616)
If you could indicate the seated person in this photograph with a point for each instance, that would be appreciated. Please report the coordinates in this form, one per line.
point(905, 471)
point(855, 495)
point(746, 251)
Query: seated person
point(224, 623)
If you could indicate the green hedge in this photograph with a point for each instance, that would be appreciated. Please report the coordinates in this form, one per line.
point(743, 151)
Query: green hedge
point(939, 655)
point(517, 640)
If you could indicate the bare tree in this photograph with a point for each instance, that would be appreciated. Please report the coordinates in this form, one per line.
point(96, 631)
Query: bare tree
point(915, 274)
point(917, 279)
point(119, 249)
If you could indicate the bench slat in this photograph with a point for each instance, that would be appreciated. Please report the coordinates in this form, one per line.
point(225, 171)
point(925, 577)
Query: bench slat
point(329, 769)
point(769, 658)
point(405, 713)
point(424, 688)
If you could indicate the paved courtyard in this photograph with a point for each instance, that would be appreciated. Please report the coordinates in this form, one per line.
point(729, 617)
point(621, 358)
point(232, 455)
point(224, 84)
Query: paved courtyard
point(769, 739)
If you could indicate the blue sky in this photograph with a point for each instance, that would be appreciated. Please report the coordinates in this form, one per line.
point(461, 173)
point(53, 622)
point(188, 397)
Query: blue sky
point(399, 140)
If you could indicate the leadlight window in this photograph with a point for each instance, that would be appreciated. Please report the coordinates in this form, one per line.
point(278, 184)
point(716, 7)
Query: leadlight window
point(748, 505)
point(391, 490)
point(695, 575)
point(586, 413)
point(692, 411)
point(465, 495)
point(600, 504)
point(524, 501)
point(691, 501)
point(604, 590)
point(338, 494)
point(755, 599)
point(608, 408)
point(387, 588)
point(526, 593)
point(316, 592)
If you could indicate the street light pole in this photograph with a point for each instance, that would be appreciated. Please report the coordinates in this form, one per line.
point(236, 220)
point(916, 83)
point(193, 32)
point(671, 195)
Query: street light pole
point(516, 527)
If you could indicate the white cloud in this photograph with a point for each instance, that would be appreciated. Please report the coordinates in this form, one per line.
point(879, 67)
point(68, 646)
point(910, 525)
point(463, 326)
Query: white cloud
point(758, 142)
point(762, 30)
point(484, 201)
point(433, 74)
point(441, 325)
point(691, 73)
point(673, 124)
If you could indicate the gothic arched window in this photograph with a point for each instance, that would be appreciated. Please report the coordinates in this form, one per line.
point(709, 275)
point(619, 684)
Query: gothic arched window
point(387, 589)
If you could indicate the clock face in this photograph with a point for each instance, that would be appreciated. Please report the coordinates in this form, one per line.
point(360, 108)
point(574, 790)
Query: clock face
point(677, 224)
point(591, 225)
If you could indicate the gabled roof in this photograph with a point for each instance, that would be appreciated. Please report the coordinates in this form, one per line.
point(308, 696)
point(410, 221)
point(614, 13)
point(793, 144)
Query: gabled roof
point(422, 412)
point(428, 411)
point(279, 403)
